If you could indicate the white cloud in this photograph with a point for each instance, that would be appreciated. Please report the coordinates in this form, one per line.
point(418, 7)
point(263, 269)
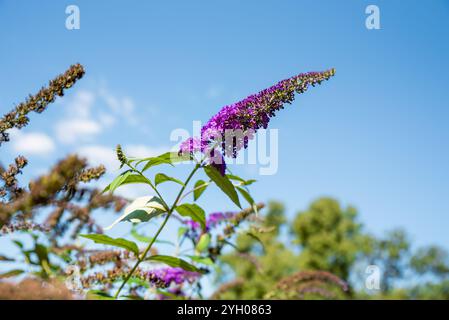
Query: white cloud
point(81, 104)
point(122, 107)
point(74, 130)
point(78, 124)
point(141, 151)
point(133, 191)
point(32, 143)
point(98, 154)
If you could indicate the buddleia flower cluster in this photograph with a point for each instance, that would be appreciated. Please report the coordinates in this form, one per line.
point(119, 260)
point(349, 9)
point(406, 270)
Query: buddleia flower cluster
point(234, 125)
point(206, 153)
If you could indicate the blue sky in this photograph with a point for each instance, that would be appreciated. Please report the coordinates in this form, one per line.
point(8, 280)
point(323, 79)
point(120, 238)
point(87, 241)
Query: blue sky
point(375, 136)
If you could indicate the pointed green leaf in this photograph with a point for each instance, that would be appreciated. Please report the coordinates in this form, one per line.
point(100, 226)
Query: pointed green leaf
point(235, 177)
point(223, 183)
point(248, 182)
point(160, 177)
point(11, 273)
point(174, 262)
point(199, 188)
point(203, 260)
point(117, 181)
point(194, 211)
point(99, 295)
point(118, 242)
point(203, 242)
point(182, 231)
point(248, 198)
point(242, 181)
point(146, 239)
point(127, 178)
point(166, 158)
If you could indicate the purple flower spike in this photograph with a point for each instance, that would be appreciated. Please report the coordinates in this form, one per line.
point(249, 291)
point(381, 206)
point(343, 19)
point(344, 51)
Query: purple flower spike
point(172, 275)
point(234, 125)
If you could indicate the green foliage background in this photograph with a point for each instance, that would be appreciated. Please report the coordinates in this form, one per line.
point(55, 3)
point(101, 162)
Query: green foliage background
point(327, 236)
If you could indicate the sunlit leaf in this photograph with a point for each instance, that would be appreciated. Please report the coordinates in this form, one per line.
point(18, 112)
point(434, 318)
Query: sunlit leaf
point(147, 239)
point(160, 177)
point(199, 188)
point(203, 242)
point(182, 231)
point(125, 178)
point(174, 262)
point(203, 260)
point(99, 295)
point(242, 181)
point(193, 211)
point(166, 158)
point(247, 197)
point(141, 210)
point(118, 242)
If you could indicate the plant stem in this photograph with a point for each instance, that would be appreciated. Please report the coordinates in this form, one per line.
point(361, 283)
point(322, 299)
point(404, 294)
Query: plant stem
point(169, 213)
point(151, 185)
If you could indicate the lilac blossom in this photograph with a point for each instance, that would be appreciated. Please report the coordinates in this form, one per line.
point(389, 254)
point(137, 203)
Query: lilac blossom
point(170, 275)
point(234, 125)
point(212, 220)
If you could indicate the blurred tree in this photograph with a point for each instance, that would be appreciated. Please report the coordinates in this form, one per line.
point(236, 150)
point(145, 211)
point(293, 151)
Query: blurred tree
point(261, 267)
point(330, 240)
point(329, 236)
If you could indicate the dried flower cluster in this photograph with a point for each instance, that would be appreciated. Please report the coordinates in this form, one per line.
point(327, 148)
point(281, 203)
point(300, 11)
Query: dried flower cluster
point(34, 289)
point(62, 195)
point(302, 283)
point(57, 189)
point(18, 118)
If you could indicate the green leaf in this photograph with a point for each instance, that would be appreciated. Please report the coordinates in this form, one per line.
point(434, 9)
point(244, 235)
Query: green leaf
point(146, 239)
point(247, 197)
point(248, 182)
point(203, 242)
point(182, 231)
point(18, 243)
point(117, 181)
point(132, 297)
point(242, 181)
point(160, 177)
point(126, 178)
point(174, 262)
point(194, 211)
point(203, 260)
point(141, 210)
point(166, 158)
point(223, 183)
point(199, 188)
point(118, 242)
point(236, 178)
point(11, 273)
point(99, 295)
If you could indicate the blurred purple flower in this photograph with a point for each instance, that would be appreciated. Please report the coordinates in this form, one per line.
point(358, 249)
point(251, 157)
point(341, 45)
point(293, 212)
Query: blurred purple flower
point(172, 275)
point(212, 220)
